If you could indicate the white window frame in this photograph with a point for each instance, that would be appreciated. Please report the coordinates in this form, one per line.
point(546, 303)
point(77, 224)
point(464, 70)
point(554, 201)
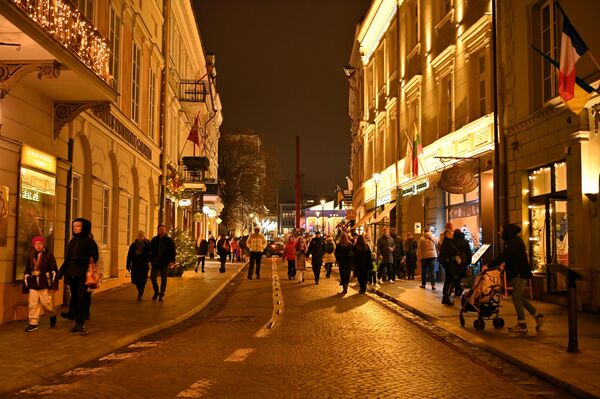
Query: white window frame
point(136, 71)
point(482, 79)
point(105, 229)
point(114, 36)
point(552, 52)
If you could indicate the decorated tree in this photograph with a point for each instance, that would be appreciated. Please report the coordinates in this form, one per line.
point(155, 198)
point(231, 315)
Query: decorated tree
point(186, 251)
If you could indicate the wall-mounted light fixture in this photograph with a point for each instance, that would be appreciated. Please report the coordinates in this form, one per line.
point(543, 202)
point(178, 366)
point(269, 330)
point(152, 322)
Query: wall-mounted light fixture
point(349, 70)
point(592, 196)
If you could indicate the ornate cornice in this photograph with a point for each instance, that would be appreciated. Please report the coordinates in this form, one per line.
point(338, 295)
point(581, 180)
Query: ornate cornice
point(530, 120)
point(66, 112)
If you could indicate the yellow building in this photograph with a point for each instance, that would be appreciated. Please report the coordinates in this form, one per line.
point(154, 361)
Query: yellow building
point(422, 69)
point(84, 119)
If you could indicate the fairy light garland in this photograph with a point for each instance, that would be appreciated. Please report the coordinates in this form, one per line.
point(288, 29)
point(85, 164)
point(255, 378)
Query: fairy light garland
point(69, 27)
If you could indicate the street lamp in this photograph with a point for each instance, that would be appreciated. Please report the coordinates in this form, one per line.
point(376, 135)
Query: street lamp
point(323, 216)
point(205, 211)
point(317, 221)
point(376, 179)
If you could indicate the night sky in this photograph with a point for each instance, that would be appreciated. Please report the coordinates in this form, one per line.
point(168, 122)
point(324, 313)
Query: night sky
point(279, 66)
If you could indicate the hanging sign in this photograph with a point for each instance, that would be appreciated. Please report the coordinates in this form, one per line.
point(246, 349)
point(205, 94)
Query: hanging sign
point(384, 199)
point(38, 159)
point(463, 210)
point(458, 179)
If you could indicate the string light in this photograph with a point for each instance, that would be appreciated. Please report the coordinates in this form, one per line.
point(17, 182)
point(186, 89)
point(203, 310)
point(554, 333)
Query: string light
point(69, 27)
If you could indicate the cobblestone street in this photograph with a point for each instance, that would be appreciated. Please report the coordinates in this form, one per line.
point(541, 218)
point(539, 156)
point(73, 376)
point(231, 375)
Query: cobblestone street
point(321, 345)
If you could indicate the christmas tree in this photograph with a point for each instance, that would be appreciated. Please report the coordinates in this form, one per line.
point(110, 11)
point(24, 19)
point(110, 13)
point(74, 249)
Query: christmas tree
point(185, 248)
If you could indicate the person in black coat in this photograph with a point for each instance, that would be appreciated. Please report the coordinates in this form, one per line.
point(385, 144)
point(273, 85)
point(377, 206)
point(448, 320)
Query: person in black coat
point(162, 257)
point(201, 252)
point(316, 249)
point(343, 256)
point(223, 250)
point(138, 258)
point(362, 262)
point(518, 271)
point(446, 257)
point(81, 249)
point(464, 250)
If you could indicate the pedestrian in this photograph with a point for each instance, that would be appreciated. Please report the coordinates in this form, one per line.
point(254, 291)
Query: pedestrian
point(329, 256)
point(316, 249)
point(80, 251)
point(447, 226)
point(447, 258)
point(398, 254)
point(373, 272)
point(138, 258)
point(162, 257)
point(41, 276)
point(410, 253)
point(465, 254)
point(235, 250)
point(211, 245)
point(368, 241)
point(300, 250)
point(427, 253)
point(289, 254)
point(256, 245)
point(343, 255)
point(244, 252)
point(514, 260)
point(223, 251)
point(363, 262)
point(385, 256)
point(201, 252)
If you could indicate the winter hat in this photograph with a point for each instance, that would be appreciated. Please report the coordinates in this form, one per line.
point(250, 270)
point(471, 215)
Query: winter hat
point(37, 239)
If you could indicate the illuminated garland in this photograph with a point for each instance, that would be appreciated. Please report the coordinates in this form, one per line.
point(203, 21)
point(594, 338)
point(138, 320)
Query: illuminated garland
point(66, 24)
point(174, 185)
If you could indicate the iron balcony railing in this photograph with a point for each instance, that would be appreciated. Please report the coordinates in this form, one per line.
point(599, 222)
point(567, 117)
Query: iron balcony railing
point(192, 91)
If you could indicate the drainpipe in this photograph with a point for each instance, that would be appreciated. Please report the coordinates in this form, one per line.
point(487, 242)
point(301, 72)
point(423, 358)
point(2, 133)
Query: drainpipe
point(398, 135)
point(163, 114)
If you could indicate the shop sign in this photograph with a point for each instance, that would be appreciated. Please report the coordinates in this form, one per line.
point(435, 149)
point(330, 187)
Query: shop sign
point(38, 159)
point(417, 228)
point(30, 195)
point(458, 179)
point(123, 131)
point(463, 211)
point(384, 199)
point(415, 188)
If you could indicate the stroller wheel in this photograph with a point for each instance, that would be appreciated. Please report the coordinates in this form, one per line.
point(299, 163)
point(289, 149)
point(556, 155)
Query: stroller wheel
point(461, 318)
point(498, 323)
point(479, 324)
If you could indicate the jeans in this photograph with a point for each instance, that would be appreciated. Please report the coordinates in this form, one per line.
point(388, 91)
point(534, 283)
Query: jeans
point(383, 271)
point(392, 269)
point(411, 265)
point(163, 270)
point(449, 272)
point(518, 283)
point(427, 268)
point(255, 258)
point(372, 277)
point(328, 267)
point(291, 268)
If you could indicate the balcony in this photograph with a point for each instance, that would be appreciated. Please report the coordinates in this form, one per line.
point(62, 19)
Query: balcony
point(54, 32)
point(192, 95)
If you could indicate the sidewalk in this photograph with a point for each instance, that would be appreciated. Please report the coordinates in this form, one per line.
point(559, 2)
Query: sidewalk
point(541, 352)
point(117, 319)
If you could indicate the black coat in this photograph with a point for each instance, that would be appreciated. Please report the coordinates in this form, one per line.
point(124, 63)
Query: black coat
point(398, 249)
point(162, 255)
point(316, 248)
point(362, 259)
point(343, 254)
point(80, 250)
point(223, 247)
point(202, 248)
point(514, 255)
point(47, 277)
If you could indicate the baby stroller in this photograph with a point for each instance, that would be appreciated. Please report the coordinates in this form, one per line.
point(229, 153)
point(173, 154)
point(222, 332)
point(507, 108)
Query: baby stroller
point(483, 298)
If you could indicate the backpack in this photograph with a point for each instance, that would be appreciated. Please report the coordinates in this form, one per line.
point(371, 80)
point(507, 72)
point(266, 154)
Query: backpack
point(329, 247)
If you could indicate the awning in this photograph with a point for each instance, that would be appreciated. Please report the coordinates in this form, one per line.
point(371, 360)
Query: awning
point(386, 211)
point(365, 218)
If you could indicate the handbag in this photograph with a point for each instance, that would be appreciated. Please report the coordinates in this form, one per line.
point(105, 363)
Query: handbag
point(92, 277)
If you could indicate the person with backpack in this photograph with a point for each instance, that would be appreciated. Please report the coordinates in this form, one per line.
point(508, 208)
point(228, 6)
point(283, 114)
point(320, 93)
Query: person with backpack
point(40, 278)
point(329, 257)
point(427, 253)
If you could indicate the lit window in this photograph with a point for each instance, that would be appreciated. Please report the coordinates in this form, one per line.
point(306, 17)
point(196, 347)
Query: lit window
point(115, 46)
point(549, 46)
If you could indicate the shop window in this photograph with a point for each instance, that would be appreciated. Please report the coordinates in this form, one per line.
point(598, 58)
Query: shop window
point(35, 214)
point(463, 212)
point(548, 216)
point(546, 36)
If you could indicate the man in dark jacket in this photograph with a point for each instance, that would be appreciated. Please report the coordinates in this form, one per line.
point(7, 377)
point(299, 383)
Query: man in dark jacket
point(518, 271)
point(385, 254)
point(80, 250)
point(316, 249)
point(162, 256)
point(398, 255)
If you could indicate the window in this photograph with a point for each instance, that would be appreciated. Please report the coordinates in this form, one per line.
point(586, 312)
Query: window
point(549, 46)
point(135, 82)
point(105, 214)
point(392, 50)
point(75, 196)
point(151, 104)
point(414, 24)
point(129, 218)
point(114, 36)
point(86, 8)
point(482, 86)
point(380, 148)
point(448, 105)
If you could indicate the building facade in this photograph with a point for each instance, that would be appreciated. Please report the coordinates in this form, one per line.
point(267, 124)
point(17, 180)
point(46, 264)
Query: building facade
point(83, 128)
point(552, 154)
point(287, 217)
point(420, 73)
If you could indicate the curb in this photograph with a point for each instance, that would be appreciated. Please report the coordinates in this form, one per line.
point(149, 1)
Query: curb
point(60, 365)
point(473, 339)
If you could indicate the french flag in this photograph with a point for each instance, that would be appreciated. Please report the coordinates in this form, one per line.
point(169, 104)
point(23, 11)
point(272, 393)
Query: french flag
point(572, 48)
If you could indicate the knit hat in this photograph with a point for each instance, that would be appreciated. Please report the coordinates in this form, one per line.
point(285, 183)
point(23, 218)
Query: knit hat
point(37, 239)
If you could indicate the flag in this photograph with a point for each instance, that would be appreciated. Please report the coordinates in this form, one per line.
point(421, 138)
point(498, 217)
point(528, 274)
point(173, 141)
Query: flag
point(408, 158)
point(582, 91)
point(193, 136)
point(339, 197)
point(349, 183)
point(572, 48)
point(417, 150)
